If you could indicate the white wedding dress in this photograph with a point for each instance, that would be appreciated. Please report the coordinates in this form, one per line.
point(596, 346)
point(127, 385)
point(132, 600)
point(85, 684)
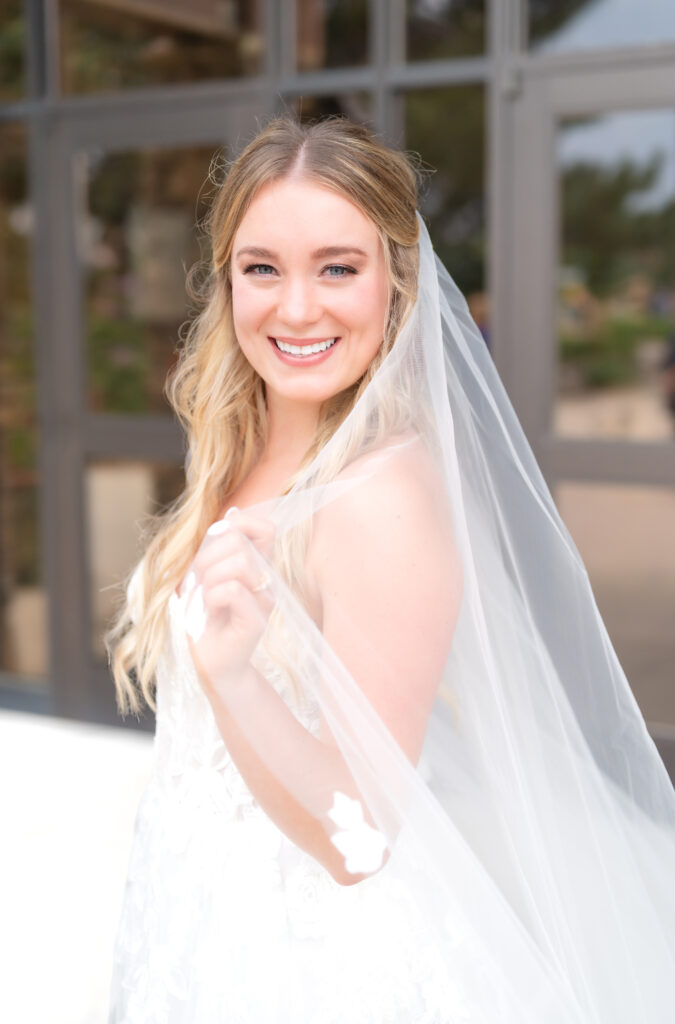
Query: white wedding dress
point(226, 920)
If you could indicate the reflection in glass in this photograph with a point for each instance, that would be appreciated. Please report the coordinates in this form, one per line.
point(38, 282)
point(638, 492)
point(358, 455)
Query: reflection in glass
point(331, 33)
point(447, 128)
point(108, 46)
point(625, 537)
point(439, 29)
point(557, 26)
point(120, 496)
point(616, 283)
point(12, 50)
point(23, 602)
point(138, 237)
point(354, 105)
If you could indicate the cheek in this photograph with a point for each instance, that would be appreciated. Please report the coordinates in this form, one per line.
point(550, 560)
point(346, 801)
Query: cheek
point(247, 306)
point(367, 306)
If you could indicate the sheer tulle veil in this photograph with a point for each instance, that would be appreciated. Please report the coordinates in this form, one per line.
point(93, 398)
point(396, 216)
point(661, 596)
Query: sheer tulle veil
point(537, 831)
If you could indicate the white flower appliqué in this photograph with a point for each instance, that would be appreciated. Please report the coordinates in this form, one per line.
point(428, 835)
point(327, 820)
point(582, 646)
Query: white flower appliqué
point(361, 845)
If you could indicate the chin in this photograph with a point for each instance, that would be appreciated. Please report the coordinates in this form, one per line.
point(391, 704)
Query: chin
point(313, 396)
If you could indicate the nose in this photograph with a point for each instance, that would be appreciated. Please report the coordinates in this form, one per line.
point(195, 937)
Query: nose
point(298, 303)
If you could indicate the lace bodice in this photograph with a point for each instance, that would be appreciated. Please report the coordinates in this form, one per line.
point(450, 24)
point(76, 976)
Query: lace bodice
point(191, 759)
point(225, 919)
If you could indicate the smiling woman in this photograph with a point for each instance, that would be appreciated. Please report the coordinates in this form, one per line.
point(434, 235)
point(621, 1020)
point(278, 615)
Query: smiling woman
point(399, 774)
point(297, 309)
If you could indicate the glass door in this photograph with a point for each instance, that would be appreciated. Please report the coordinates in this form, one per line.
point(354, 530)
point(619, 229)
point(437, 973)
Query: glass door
point(134, 188)
point(592, 358)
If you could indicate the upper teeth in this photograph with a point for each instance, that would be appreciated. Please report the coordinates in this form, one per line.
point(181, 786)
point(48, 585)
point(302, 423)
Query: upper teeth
point(304, 350)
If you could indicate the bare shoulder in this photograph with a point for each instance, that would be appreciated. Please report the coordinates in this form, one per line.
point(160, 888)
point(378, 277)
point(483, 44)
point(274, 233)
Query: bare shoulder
point(390, 583)
point(396, 517)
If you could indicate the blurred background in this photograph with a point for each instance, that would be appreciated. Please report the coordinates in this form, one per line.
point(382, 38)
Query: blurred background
point(551, 129)
point(550, 125)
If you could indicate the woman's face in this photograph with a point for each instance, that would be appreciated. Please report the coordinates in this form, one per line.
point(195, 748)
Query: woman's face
point(309, 290)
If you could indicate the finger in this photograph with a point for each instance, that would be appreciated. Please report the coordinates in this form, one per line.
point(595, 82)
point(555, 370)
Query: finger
point(245, 569)
point(238, 565)
point(230, 544)
point(260, 531)
point(225, 537)
point(217, 546)
point(235, 597)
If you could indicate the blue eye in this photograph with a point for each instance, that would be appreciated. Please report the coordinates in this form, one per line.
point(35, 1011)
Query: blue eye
point(259, 268)
point(342, 271)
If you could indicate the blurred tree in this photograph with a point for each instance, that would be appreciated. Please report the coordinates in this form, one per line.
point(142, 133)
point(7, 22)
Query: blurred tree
point(12, 49)
point(545, 17)
point(447, 128)
point(443, 29)
point(604, 233)
point(331, 33)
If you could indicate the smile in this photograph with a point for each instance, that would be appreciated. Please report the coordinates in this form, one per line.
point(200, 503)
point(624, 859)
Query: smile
point(307, 348)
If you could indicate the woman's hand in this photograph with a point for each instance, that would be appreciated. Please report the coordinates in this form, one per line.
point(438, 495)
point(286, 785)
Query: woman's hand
point(229, 599)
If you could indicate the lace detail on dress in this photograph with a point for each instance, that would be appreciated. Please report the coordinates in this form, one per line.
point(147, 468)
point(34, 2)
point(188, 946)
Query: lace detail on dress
point(225, 920)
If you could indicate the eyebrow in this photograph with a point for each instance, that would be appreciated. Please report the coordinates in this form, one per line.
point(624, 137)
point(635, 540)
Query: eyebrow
point(326, 251)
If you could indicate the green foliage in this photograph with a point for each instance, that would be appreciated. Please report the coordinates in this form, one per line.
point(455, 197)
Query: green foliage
point(447, 126)
point(446, 29)
point(345, 22)
point(118, 364)
point(603, 233)
point(606, 358)
point(12, 50)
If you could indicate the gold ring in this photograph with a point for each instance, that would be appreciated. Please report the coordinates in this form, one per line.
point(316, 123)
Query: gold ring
point(264, 583)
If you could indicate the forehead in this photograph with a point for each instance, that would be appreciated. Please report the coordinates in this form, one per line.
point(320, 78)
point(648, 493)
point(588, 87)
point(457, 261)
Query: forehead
point(298, 212)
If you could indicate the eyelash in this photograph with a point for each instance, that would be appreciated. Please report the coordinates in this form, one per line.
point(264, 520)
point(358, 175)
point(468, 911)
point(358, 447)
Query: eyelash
point(331, 266)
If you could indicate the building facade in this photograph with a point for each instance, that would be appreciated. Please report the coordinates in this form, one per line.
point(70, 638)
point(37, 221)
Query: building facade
point(548, 131)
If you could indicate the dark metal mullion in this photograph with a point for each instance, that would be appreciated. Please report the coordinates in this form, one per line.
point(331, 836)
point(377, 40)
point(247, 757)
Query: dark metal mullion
point(40, 158)
point(505, 31)
point(35, 48)
point(143, 127)
point(378, 52)
point(58, 387)
point(322, 83)
point(126, 101)
point(619, 59)
point(425, 74)
point(286, 37)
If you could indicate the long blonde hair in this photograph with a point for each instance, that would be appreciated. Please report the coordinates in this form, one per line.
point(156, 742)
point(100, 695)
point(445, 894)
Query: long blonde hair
point(216, 394)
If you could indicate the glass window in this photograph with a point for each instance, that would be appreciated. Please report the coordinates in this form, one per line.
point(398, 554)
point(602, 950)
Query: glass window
point(109, 46)
point(625, 537)
point(12, 50)
point(446, 127)
point(440, 29)
point(616, 276)
point(356, 106)
point(121, 495)
point(331, 33)
point(138, 237)
point(23, 600)
point(557, 26)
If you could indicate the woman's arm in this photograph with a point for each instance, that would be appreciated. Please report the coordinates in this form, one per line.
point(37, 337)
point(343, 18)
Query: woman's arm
point(390, 584)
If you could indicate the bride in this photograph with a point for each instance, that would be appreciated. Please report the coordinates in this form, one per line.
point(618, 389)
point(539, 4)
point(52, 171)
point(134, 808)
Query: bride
point(399, 774)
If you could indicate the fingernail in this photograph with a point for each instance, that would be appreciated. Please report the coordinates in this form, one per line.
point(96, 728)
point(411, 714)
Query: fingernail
point(220, 526)
point(230, 511)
